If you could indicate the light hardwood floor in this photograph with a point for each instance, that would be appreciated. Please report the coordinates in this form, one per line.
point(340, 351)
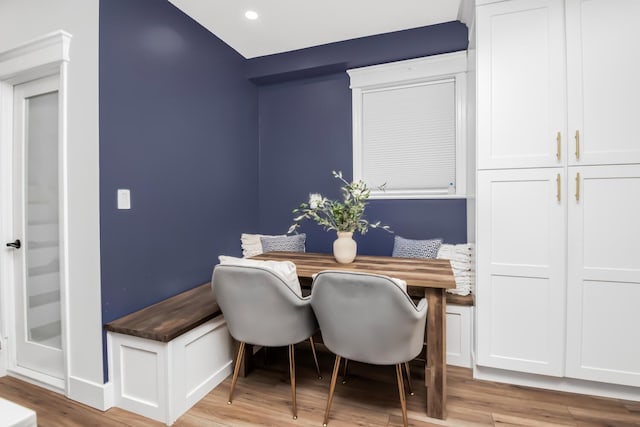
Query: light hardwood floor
point(370, 398)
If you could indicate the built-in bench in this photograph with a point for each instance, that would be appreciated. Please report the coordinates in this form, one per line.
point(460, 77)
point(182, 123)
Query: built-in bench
point(460, 330)
point(459, 327)
point(166, 357)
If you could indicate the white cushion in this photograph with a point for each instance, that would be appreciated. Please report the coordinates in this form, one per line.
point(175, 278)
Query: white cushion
point(286, 270)
point(251, 244)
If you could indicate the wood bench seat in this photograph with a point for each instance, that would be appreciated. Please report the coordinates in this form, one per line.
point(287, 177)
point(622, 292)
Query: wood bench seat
point(466, 300)
point(452, 299)
point(170, 318)
point(166, 357)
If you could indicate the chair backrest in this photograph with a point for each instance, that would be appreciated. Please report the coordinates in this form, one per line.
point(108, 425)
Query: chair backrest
point(367, 318)
point(260, 308)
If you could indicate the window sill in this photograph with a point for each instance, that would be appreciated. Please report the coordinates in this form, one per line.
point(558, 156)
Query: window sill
point(417, 196)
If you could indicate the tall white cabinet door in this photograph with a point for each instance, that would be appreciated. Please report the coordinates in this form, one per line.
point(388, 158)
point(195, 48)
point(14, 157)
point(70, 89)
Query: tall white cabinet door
point(603, 335)
point(603, 63)
point(521, 89)
point(520, 270)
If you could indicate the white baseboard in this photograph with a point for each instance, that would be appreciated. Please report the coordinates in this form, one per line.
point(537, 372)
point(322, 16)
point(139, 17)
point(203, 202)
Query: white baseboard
point(96, 395)
point(39, 379)
point(560, 384)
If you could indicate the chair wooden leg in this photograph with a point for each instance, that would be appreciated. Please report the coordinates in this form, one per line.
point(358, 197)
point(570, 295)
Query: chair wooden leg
point(403, 400)
point(408, 370)
point(315, 357)
point(344, 372)
point(292, 374)
point(236, 369)
point(332, 387)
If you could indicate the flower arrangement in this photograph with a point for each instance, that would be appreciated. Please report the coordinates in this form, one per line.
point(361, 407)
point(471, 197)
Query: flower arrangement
point(344, 215)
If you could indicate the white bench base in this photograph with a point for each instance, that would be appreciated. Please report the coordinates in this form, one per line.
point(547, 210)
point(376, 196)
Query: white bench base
point(459, 335)
point(163, 380)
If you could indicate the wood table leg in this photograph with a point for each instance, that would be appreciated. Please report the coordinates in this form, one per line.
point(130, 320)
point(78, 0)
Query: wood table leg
point(435, 374)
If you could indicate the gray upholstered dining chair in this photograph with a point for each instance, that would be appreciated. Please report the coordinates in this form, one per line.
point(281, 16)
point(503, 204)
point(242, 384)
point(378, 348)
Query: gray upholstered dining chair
point(261, 309)
point(367, 318)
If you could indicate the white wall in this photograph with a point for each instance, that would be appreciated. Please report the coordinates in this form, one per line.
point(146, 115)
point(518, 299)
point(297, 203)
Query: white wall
point(22, 21)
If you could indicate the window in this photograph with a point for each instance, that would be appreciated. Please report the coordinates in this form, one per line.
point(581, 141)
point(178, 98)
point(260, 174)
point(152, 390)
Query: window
point(409, 127)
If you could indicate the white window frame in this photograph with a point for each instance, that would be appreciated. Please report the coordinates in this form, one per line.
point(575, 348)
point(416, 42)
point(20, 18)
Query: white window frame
point(402, 74)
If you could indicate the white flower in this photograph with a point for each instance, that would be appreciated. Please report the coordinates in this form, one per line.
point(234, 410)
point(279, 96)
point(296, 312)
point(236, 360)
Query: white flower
point(338, 215)
point(315, 200)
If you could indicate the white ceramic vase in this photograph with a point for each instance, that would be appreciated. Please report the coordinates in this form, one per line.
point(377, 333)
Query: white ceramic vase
point(344, 247)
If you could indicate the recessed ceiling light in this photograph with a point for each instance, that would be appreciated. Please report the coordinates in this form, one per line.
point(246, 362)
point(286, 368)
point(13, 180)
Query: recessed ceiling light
point(251, 15)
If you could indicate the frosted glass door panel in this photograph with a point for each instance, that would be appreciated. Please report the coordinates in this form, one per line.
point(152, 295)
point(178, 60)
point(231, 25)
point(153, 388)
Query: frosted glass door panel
point(520, 269)
point(521, 95)
point(42, 247)
point(603, 342)
point(603, 63)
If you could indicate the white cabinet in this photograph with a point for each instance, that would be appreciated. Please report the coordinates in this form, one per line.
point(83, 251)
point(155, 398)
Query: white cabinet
point(521, 77)
point(603, 339)
point(603, 64)
point(521, 270)
point(590, 120)
point(559, 281)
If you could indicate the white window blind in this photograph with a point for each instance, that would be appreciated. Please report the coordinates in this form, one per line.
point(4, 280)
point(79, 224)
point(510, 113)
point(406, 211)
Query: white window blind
point(409, 137)
point(409, 127)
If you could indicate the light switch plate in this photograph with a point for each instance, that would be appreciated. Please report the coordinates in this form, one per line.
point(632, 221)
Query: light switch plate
point(124, 199)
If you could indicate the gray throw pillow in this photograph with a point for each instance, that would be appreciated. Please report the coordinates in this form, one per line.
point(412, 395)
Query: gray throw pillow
point(293, 243)
point(407, 248)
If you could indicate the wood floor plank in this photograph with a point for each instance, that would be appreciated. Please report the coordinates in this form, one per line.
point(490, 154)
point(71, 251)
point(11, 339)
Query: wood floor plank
point(518, 420)
point(591, 415)
point(532, 409)
point(368, 399)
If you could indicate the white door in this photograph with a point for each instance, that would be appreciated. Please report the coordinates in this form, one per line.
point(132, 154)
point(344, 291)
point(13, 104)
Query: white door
point(36, 249)
point(603, 62)
point(520, 269)
point(603, 338)
point(521, 84)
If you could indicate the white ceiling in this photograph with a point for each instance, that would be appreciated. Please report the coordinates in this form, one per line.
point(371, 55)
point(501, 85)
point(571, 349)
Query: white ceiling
point(285, 25)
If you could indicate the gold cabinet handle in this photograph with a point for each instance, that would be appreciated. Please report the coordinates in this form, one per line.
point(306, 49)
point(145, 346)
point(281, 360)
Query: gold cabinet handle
point(577, 145)
point(558, 145)
point(558, 187)
point(578, 186)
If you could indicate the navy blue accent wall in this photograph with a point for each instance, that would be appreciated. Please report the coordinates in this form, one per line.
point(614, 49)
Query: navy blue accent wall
point(378, 49)
point(305, 132)
point(178, 127)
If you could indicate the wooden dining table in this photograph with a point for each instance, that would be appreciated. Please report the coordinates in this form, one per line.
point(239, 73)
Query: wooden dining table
point(434, 276)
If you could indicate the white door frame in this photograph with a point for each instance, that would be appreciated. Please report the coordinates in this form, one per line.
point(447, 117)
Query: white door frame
point(43, 57)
